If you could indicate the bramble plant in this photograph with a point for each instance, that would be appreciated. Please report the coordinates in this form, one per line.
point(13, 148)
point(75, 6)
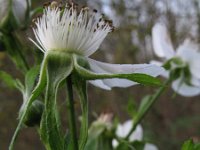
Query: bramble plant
point(67, 35)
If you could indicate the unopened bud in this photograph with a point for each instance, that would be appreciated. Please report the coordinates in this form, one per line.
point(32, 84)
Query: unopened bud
point(34, 114)
point(13, 13)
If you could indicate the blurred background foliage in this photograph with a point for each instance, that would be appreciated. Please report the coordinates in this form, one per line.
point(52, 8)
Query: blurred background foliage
point(172, 120)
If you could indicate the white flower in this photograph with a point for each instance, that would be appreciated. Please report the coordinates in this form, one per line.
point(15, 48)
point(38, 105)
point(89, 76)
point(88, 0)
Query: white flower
point(81, 33)
point(187, 53)
point(3, 9)
point(123, 130)
point(18, 8)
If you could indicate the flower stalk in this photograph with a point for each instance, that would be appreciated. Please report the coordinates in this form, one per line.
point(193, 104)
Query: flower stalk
point(151, 100)
point(72, 115)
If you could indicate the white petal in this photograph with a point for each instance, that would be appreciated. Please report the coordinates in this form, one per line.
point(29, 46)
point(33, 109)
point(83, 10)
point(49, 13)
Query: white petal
point(188, 52)
point(157, 63)
point(137, 134)
point(100, 84)
point(161, 41)
point(115, 143)
point(19, 9)
point(149, 146)
point(123, 130)
point(102, 68)
point(195, 81)
point(165, 73)
point(184, 89)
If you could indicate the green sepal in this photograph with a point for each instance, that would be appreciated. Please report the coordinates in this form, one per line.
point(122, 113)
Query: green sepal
point(59, 66)
point(135, 77)
point(34, 114)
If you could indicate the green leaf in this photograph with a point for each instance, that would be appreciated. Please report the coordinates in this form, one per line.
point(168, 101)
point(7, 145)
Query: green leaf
point(188, 145)
point(144, 105)
point(58, 68)
point(35, 93)
point(8, 79)
point(135, 77)
point(30, 82)
point(80, 86)
point(197, 146)
point(30, 79)
point(131, 107)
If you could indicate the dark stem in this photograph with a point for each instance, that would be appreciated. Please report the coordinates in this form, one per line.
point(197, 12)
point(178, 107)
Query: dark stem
point(72, 120)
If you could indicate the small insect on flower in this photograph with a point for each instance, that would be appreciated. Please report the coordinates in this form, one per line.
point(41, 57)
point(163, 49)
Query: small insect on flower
point(66, 29)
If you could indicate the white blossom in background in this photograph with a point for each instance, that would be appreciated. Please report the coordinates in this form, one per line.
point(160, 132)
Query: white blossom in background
point(123, 130)
point(187, 53)
point(81, 33)
point(18, 8)
point(3, 9)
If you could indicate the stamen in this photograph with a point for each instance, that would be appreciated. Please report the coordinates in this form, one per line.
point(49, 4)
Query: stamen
point(64, 26)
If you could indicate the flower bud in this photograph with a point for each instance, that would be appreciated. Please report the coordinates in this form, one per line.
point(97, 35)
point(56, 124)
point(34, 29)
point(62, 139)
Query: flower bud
point(34, 114)
point(13, 13)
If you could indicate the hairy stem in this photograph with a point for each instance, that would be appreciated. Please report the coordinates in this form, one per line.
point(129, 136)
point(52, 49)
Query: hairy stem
point(72, 120)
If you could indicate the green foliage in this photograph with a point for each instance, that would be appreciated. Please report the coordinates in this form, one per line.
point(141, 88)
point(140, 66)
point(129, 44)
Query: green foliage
point(190, 145)
point(8, 79)
point(27, 102)
point(136, 145)
point(131, 107)
point(99, 137)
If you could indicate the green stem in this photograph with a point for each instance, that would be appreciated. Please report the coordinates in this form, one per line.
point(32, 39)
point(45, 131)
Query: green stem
point(151, 101)
point(72, 121)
